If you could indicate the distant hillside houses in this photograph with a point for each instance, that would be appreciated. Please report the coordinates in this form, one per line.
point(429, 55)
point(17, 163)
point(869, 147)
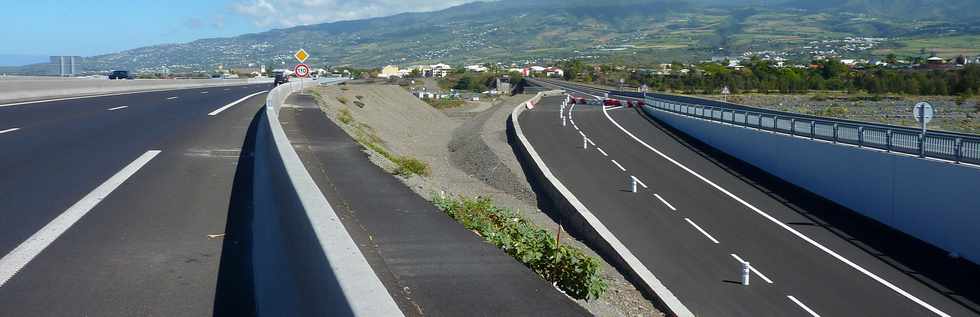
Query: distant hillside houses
point(539, 70)
point(435, 70)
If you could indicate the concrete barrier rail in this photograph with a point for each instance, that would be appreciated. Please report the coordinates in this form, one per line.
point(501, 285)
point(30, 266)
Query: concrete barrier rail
point(21, 90)
point(304, 261)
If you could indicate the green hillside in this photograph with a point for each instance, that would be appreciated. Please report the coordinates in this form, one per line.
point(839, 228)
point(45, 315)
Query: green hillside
point(628, 31)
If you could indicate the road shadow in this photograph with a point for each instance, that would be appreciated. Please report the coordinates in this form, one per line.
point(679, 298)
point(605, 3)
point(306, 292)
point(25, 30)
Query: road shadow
point(234, 294)
point(955, 278)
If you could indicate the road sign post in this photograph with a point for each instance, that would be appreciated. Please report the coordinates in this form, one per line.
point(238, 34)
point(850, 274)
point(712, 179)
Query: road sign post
point(923, 113)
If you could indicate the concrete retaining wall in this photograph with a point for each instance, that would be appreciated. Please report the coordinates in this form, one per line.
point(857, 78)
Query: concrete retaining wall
point(579, 221)
point(16, 90)
point(935, 201)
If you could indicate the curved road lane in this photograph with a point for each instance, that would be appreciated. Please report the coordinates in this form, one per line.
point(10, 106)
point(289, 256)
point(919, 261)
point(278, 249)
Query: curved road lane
point(694, 237)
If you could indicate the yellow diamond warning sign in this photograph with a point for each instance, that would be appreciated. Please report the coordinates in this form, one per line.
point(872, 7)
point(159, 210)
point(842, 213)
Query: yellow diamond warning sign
point(302, 55)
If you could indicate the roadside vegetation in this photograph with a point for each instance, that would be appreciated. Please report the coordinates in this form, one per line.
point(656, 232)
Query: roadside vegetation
point(574, 272)
point(407, 166)
point(444, 103)
point(762, 76)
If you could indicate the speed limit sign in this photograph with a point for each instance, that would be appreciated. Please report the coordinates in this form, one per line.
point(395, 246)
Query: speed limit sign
point(302, 70)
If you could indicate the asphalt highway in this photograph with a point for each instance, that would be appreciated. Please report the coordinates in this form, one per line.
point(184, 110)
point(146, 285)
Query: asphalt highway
point(693, 222)
point(107, 203)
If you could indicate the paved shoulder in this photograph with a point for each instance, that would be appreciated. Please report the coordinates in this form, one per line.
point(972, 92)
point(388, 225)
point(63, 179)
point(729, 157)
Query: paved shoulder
point(430, 264)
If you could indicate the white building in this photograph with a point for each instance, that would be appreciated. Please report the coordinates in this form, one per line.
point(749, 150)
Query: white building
point(476, 68)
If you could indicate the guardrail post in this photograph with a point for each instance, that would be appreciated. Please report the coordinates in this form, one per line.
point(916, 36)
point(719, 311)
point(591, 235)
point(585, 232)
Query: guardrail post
point(959, 150)
point(888, 140)
point(835, 133)
point(792, 126)
point(813, 129)
point(860, 136)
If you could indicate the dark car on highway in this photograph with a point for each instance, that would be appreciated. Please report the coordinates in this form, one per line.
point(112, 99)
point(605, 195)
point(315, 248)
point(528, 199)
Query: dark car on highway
point(120, 74)
point(281, 78)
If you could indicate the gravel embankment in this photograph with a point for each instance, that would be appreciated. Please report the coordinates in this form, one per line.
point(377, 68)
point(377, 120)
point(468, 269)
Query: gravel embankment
point(468, 153)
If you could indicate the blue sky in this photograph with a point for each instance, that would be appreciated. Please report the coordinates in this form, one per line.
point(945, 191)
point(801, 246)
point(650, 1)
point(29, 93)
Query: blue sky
point(92, 27)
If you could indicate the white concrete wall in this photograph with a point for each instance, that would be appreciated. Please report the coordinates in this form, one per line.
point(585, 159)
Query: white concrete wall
point(937, 202)
point(20, 89)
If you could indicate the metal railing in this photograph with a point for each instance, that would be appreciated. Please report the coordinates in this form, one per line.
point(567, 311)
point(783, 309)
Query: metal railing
point(947, 146)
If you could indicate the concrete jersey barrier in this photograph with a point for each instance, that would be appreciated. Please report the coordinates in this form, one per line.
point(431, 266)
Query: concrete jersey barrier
point(579, 220)
point(304, 261)
point(12, 91)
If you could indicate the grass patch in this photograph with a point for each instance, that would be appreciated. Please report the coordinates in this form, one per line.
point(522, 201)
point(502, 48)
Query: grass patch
point(572, 270)
point(408, 166)
point(445, 103)
point(343, 99)
point(345, 116)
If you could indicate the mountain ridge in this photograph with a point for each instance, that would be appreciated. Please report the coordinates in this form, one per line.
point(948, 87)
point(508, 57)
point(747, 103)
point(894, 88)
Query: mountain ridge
point(528, 31)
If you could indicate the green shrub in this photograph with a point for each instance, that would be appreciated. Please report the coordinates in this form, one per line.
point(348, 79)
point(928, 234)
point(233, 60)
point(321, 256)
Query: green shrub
point(358, 104)
point(572, 270)
point(445, 103)
point(345, 116)
point(408, 166)
point(359, 97)
point(342, 99)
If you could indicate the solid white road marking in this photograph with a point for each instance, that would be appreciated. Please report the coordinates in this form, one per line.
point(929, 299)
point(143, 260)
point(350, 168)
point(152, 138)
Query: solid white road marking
point(227, 89)
point(14, 261)
point(752, 267)
point(799, 303)
point(9, 130)
point(705, 233)
point(204, 92)
point(601, 151)
point(117, 108)
point(590, 141)
point(665, 202)
point(617, 165)
point(640, 182)
point(219, 110)
point(172, 98)
point(614, 108)
point(783, 225)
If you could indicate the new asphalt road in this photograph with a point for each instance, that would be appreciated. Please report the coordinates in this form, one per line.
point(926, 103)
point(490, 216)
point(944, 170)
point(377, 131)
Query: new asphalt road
point(107, 203)
point(693, 222)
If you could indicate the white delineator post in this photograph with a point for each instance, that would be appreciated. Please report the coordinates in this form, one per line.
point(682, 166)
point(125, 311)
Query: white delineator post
point(633, 183)
point(585, 143)
point(746, 270)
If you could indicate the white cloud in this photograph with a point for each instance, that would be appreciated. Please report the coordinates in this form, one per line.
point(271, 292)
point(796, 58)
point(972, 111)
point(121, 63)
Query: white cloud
point(288, 13)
